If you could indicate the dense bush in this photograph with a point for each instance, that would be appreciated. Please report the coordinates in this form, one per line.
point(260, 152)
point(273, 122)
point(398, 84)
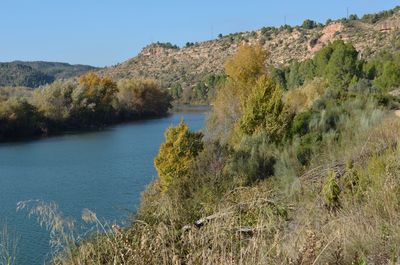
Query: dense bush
point(141, 98)
point(176, 155)
point(19, 118)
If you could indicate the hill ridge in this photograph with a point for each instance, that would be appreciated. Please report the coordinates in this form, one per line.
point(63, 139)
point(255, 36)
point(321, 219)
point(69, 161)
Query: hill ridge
point(169, 64)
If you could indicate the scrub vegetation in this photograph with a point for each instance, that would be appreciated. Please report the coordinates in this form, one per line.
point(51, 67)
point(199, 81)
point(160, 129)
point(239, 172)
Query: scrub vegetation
point(297, 165)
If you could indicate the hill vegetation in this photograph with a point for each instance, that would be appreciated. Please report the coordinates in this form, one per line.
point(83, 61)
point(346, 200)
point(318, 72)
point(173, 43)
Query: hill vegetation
point(35, 74)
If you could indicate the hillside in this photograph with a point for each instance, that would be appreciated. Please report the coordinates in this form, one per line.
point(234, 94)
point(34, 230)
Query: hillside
point(58, 70)
point(22, 75)
point(35, 74)
point(170, 65)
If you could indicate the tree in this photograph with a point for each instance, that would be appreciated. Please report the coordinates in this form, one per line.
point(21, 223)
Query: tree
point(176, 91)
point(321, 60)
point(93, 99)
point(142, 98)
point(242, 71)
point(177, 154)
point(390, 76)
point(246, 66)
point(309, 24)
point(19, 118)
point(55, 100)
point(265, 111)
point(343, 65)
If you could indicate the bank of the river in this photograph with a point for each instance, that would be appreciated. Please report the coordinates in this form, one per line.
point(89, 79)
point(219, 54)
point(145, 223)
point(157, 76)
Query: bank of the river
point(104, 171)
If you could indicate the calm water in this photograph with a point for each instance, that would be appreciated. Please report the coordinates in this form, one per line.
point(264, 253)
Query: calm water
point(103, 171)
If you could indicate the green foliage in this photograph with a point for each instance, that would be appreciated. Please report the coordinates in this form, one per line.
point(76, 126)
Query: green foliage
point(384, 70)
point(206, 89)
point(167, 45)
point(35, 74)
point(342, 66)
point(300, 123)
point(176, 91)
point(12, 74)
point(177, 154)
point(190, 44)
point(309, 24)
point(253, 159)
point(336, 62)
point(374, 18)
point(265, 111)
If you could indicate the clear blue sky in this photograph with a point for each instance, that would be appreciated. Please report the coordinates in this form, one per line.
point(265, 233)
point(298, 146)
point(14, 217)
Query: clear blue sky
point(105, 32)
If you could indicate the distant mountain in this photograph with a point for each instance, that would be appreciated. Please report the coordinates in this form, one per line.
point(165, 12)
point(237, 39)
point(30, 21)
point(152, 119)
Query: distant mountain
point(35, 74)
point(169, 64)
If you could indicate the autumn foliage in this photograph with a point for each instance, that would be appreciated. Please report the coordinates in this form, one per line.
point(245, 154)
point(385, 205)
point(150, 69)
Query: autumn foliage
point(177, 154)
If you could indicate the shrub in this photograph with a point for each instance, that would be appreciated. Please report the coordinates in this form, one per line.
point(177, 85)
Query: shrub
point(309, 24)
point(265, 111)
point(331, 191)
point(142, 98)
point(177, 154)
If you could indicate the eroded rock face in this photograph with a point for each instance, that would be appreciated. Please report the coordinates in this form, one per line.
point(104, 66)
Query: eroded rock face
point(328, 34)
point(390, 24)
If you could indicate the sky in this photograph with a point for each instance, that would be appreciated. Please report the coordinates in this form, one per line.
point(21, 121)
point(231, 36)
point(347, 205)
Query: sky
point(106, 32)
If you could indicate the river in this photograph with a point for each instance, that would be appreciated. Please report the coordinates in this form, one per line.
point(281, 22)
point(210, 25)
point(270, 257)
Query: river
point(104, 171)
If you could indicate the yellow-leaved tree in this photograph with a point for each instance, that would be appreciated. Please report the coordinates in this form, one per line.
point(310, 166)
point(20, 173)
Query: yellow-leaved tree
point(176, 154)
point(243, 70)
point(250, 101)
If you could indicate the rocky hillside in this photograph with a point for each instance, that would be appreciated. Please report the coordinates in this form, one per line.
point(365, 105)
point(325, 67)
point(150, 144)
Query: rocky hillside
point(35, 74)
point(170, 65)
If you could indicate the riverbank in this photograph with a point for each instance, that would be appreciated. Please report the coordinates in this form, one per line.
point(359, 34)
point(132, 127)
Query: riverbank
point(91, 103)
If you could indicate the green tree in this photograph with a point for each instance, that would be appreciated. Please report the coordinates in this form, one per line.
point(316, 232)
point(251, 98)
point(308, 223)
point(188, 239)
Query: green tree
point(343, 66)
point(309, 24)
point(177, 154)
point(176, 91)
point(265, 111)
